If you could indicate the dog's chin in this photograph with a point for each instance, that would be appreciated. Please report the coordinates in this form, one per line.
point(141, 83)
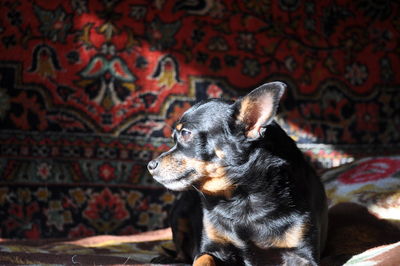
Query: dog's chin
point(180, 183)
point(176, 185)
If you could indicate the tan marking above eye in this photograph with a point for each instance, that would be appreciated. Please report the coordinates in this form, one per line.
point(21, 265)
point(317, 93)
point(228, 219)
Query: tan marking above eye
point(179, 126)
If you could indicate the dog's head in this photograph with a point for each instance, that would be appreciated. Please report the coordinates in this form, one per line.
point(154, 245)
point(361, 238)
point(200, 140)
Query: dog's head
point(212, 136)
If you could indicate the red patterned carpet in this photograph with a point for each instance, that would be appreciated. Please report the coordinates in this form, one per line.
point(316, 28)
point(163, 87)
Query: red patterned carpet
point(90, 89)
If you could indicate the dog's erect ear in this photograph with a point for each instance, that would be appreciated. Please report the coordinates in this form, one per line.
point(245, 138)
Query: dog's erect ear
point(257, 109)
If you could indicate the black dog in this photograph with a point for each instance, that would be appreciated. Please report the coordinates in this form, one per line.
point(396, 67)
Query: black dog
point(256, 201)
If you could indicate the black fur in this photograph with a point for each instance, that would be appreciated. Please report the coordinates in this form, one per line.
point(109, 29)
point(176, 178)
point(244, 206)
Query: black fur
point(249, 196)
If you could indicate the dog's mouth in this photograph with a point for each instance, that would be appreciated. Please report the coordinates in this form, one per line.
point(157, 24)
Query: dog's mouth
point(179, 183)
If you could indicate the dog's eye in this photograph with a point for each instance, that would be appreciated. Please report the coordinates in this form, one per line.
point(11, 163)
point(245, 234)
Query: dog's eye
point(185, 134)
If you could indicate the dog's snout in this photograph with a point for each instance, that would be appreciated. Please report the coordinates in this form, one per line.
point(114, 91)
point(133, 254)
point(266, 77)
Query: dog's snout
point(152, 165)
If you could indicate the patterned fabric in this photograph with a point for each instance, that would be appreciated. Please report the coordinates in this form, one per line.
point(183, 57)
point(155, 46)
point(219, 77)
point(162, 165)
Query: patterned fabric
point(371, 182)
point(89, 90)
point(385, 255)
point(123, 251)
point(59, 211)
point(364, 201)
point(99, 250)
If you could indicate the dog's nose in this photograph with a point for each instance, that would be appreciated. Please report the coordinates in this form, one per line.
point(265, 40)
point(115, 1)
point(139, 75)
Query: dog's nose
point(152, 165)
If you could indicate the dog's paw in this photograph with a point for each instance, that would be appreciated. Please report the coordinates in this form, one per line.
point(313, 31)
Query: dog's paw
point(204, 260)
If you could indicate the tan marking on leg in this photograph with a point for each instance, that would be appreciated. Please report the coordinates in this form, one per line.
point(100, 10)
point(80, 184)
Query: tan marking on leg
point(218, 236)
point(292, 237)
point(205, 260)
point(214, 235)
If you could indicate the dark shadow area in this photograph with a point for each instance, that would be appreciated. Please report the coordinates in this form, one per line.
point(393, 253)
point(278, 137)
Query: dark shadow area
point(353, 230)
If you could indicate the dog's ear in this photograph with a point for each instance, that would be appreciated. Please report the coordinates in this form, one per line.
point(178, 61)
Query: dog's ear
point(257, 109)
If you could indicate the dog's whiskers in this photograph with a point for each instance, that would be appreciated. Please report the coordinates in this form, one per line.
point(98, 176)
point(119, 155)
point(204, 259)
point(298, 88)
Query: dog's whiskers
point(200, 192)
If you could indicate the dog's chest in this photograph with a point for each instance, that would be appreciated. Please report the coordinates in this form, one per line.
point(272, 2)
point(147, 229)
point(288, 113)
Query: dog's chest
point(239, 232)
point(222, 233)
point(234, 222)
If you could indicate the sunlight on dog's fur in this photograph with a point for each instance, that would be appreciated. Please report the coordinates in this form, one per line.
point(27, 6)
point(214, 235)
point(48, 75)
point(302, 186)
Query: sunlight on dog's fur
point(248, 195)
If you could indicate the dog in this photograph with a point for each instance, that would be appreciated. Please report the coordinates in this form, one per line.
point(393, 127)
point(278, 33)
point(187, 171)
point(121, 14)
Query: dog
point(248, 195)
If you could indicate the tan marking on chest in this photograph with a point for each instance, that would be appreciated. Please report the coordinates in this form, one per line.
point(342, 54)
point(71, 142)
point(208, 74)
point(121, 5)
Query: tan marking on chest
point(218, 186)
point(214, 180)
